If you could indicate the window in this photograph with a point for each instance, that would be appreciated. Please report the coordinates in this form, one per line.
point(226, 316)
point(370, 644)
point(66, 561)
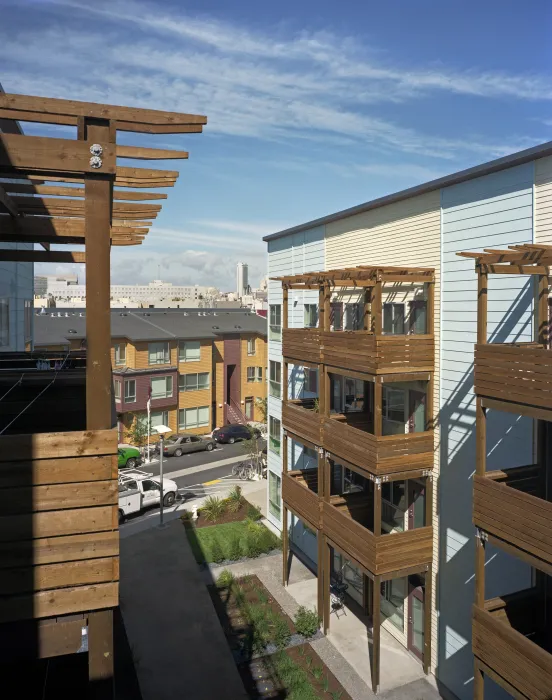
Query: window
point(159, 418)
point(158, 353)
point(120, 354)
point(4, 322)
point(130, 390)
point(275, 322)
point(418, 317)
point(254, 374)
point(354, 317)
point(274, 434)
point(249, 407)
point(117, 386)
point(259, 374)
point(275, 385)
point(274, 495)
point(311, 315)
point(336, 316)
point(393, 319)
point(251, 346)
point(393, 594)
point(251, 374)
point(190, 351)
point(311, 380)
point(161, 387)
point(393, 404)
point(28, 319)
point(393, 506)
point(193, 382)
point(193, 417)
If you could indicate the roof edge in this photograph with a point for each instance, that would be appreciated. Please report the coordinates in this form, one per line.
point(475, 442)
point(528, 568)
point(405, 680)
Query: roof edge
point(492, 166)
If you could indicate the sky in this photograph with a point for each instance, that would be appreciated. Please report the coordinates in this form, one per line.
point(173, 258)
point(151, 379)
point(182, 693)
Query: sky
point(313, 106)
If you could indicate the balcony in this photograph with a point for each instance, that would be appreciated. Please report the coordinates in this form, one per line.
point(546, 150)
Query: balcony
point(504, 506)
point(519, 374)
point(300, 494)
point(510, 647)
point(302, 344)
point(302, 418)
point(347, 520)
point(362, 351)
point(346, 436)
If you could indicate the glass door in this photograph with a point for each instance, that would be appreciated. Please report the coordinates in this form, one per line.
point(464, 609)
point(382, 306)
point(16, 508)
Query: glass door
point(416, 505)
point(417, 412)
point(416, 619)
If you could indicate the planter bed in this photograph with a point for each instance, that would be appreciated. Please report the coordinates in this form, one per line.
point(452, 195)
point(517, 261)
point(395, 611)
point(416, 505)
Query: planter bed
point(230, 542)
point(226, 517)
point(274, 661)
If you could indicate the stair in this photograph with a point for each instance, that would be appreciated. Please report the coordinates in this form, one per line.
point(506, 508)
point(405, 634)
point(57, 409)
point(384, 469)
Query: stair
point(234, 415)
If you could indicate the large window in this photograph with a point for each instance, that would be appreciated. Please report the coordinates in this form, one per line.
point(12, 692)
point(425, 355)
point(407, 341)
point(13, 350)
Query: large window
point(275, 322)
point(159, 418)
point(274, 434)
point(418, 316)
point(190, 351)
point(311, 315)
point(393, 506)
point(161, 387)
point(393, 594)
point(120, 354)
point(193, 382)
point(193, 417)
point(28, 319)
point(117, 386)
point(251, 346)
point(354, 317)
point(393, 405)
point(393, 319)
point(254, 374)
point(311, 380)
point(4, 322)
point(274, 494)
point(275, 385)
point(158, 353)
point(130, 390)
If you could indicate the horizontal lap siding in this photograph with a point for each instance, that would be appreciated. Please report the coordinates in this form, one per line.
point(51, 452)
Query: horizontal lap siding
point(543, 201)
point(141, 360)
point(492, 211)
point(406, 233)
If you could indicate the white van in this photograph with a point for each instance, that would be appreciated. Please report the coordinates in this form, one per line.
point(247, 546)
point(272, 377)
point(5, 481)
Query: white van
point(139, 489)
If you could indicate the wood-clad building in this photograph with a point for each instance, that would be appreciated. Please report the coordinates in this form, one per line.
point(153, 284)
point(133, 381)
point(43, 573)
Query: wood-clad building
point(59, 535)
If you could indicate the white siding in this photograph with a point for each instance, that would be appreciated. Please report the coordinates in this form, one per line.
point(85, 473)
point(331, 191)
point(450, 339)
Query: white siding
point(543, 201)
point(491, 211)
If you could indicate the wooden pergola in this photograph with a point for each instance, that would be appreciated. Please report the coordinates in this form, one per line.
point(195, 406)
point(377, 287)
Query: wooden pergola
point(72, 191)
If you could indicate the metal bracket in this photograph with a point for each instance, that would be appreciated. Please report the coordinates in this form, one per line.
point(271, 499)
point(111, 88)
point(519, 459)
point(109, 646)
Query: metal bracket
point(96, 162)
point(377, 481)
point(481, 535)
point(96, 149)
point(321, 451)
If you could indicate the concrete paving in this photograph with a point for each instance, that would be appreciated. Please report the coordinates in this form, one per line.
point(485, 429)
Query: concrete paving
point(177, 642)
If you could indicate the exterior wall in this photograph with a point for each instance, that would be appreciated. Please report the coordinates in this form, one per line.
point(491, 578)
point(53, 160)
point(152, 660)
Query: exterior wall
point(543, 201)
point(258, 390)
point(143, 383)
point(130, 352)
point(128, 419)
point(218, 377)
point(492, 211)
point(299, 252)
point(16, 285)
point(142, 356)
point(202, 397)
point(407, 233)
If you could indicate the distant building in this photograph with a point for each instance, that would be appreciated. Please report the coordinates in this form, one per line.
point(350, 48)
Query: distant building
point(242, 279)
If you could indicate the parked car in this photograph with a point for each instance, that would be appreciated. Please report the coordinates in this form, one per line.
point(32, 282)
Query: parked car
point(235, 431)
point(128, 457)
point(178, 445)
point(139, 489)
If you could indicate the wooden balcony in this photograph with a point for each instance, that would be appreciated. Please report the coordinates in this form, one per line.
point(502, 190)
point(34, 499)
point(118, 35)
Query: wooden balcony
point(507, 645)
point(300, 418)
point(299, 493)
point(362, 351)
point(504, 506)
point(346, 437)
point(301, 344)
point(382, 554)
point(518, 375)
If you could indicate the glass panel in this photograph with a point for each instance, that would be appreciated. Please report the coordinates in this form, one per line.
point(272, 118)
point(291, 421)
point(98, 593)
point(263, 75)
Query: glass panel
point(190, 351)
point(202, 416)
point(418, 317)
point(393, 594)
point(417, 623)
point(353, 577)
point(418, 506)
point(336, 319)
point(352, 482)
point(190, 418)
point(203, 380)
point(274, 496)
point(337, 480)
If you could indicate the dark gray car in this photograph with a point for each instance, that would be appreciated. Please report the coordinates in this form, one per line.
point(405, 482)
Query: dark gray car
point(178, 445)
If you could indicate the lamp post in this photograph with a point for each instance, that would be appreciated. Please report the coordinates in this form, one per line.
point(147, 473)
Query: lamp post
point(161, 430)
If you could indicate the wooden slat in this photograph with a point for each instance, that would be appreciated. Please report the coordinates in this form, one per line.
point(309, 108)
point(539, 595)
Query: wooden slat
point(56, 523)
point(301, 343)
point(139, 153)
point(32, 154)
point(57, 471)
point(51, 497)
point(303, 422)
point(41, 639)
point(61, 601)
point(42, 256)
point(77, 205)
point(50, 445)
point(301, 500)
point(7, 203)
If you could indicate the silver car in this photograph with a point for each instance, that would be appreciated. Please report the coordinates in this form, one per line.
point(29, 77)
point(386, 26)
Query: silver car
point(178, 445)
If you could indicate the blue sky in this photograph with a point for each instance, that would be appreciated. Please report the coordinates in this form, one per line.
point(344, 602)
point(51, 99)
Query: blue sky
point(313, 106)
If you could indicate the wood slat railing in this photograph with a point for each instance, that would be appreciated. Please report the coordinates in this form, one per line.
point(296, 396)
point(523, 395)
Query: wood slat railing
point(302, 421)
point(301, 344)
point(300, 499)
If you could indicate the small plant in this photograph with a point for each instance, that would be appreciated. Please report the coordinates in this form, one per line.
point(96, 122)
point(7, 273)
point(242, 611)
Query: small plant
point(239, 595)
point(336, 694)
point(306, 621)
point(225, 579)
point(262, 596)
point(326, 683)
point(234, 548)
point(234, 499)
point(217, 555)
point(213, 508)
point(316, 406)
point(254, 513)
point(308, 661)
point(317, 672)
point(185, 515)
point(302, 651)
point(252, 546)
point(281, 633)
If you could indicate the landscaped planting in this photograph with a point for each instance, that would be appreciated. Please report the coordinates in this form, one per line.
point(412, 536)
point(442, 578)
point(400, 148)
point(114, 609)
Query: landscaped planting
point(273, 658)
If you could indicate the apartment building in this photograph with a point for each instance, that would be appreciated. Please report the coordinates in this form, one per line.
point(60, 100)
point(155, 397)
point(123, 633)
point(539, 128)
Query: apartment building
point(202, 369)
point(372, 413)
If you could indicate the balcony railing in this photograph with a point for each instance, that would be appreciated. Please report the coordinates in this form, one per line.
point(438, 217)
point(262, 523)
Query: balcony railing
point(505, 507)
point(506, 640)
point(301, 418)
point(346, 437)
point(299, 492)
point(379, 554)
point(519, 373)
point(302, 344)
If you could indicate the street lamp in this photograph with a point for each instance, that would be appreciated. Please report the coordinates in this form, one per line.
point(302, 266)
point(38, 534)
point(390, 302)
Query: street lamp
point(162, 430)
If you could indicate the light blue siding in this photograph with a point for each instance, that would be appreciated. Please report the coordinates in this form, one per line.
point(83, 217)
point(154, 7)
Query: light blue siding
point(492, 211)
point(16, 285)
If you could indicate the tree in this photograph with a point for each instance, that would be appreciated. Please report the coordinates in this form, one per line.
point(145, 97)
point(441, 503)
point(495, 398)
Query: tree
point(262, 405)
point(252, 446)
point(138, 431)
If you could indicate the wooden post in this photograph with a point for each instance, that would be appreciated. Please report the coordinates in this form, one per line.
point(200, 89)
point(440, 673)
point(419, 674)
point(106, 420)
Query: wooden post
point(321, 391)
point(430, 308)
point(376, 624)
point(285, 309)
point(428, 500)
point(482, 291)
point(98, 190)
point(285, 545)
point(327, 478)
point(366, 594)
point(427, 619)
point(377, 308)
point(377, 506)
point(321, 297)
point(327, 306)
point(285, 381)
point(320, 465)
point(480, 468)
point(320, 575)
point(542, 311)
point(367, 322)
point(284, 452)
point(430, 402)
point(326, 571)
point(327, 395)
point(378, 400)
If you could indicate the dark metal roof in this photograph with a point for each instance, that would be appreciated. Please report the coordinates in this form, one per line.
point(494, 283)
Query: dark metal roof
point(493, 166)
point(58, 326)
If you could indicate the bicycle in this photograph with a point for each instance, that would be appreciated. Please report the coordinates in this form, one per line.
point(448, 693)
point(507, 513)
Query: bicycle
point(243, 471)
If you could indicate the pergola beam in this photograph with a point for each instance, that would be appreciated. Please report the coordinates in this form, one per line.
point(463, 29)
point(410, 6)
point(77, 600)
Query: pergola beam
point(41, 256)
point(78, 192)
point(139, 153)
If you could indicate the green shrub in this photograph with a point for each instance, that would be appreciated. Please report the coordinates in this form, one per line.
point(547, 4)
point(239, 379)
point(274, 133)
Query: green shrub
point(254, 513)
point(317, 672)
point(225, 579)
point(213, 508)
point(336, 694)
point(186, 515)
point(262, 596)
point(252, 546)
point(235, 499)
point(326, 683)
point(267, 539)
point(281, 633)
point(234, 548)
point(239, 596)
point(306, 621)
point(217, 555)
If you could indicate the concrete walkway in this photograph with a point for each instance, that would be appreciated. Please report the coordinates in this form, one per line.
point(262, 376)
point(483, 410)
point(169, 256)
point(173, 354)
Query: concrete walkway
point(177, 642)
